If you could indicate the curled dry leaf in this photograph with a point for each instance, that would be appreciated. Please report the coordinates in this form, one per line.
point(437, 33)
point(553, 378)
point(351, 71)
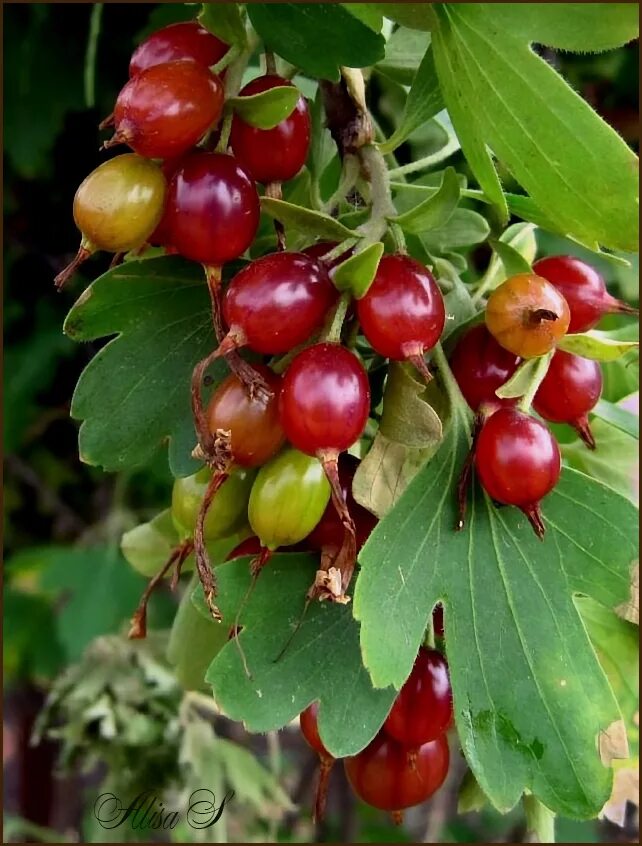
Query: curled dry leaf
point(613, 743)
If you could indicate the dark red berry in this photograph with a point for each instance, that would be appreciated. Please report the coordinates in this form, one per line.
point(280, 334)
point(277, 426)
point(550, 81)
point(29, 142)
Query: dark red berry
point(387, 775)
point(276, 302)
point(403, 313)
point(480, 366)
point(185, 40)
point(255, 432)
point(161, 236)
point(272, 155)
point(249, 546)
point(583, 289)
point(518, 461)
point(325, 399)
point(165, 110)
point(423, 709)
point(570, 389)
point(212, 209)
point(322, 248)
point(328, 533)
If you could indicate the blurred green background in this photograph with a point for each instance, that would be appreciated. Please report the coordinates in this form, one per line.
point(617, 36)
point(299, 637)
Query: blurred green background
point(65, 580)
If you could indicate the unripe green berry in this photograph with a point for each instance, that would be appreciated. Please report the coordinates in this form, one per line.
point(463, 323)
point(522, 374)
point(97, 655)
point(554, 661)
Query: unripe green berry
point(288, 498)
point(118, 206)
point(227, 513)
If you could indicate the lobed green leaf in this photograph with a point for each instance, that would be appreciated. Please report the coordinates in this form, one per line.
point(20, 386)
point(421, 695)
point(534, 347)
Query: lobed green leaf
point(313, 223)
point(357, 272)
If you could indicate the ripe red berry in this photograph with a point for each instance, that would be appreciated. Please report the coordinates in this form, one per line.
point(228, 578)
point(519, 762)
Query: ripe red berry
point(185, 40)
point(272, 155)
point(423, 709)
point(403, 313)
point(165, 110)
point(212, 209)
point(388, 776)
point(328, 534)
point(276, 302)
point(518, 462)
point(480, 366)
point(583, 289)
point(322, 248)
point(255, 432)
point(249, 546)
point(527, 315)
point(325, 399)
point(570, 389)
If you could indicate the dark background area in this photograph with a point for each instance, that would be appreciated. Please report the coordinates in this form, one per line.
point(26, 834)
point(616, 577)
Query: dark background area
point(63, 519)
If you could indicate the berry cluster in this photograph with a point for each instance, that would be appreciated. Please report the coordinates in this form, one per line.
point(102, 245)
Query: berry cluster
point(408, 759)
point(515, 455)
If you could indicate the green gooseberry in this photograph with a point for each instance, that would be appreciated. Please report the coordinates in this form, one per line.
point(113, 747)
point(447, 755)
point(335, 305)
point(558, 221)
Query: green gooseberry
point(227, 513)
point(288, 498)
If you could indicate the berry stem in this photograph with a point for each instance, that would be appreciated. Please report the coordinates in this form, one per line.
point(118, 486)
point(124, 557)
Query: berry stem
point(138, 628)
point(349, 176)
point(231, 56)
point(382, 206)
point(84, 252)
point(203, 565)
point(333, 333)
point(536, 380)
point(256, 565)
point(213, 276)
point(339, 250)
point(326, 762)
point(270, 62)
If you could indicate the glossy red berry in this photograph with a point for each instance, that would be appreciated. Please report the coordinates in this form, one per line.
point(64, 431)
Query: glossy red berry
point(480, 366)
point(518, 461)
point(403, 314)
point(387, 775)
point(527, 315)
point(249, 546)
point(276, 302)
point(423, 709)
point(328, 533)
point(212, 209)
point(255, 432)
point(272, 155)
point(583, 289)
point(325, 399)
point(185, 40)
point(165, 110)
point(570, 389)
point(310, 729)
point(322, 248)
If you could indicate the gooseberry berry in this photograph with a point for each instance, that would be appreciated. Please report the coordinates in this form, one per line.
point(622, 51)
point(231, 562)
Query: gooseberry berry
point(527, 315)
point(116, 207)
point(402, 314)
point(583, 289)
point(480, 366)
point(570, 389)
point(277, 154)
point(166, 109)
point(518, 462)
point(184, 40)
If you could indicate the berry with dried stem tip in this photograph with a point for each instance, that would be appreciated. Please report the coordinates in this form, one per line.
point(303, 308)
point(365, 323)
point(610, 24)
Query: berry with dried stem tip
point(527, 315)
point(391, 777)
point(324, 408)
point(116, 208)
point(423, 709)
point(480, 366)
point(570, 389)
point(402, 314)
point(236, 430)
point(518, 462)
point(583, 289)
point(277, 154)
point(310, 731)
point(184, 40)
point(275, 303)
point(165, 110)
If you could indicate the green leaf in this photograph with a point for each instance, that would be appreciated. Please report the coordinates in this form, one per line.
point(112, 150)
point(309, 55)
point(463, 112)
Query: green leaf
point(540, 821)
point(367, 13)
point(520, 381)
point(311, 668)
point(407, 417)
point(519, 236)
point(424, 102)
point(464, 229)
point(435, 211)
point(313, 223)
point(471, 796)
point(513, 261)
point(530, 698)
point(268, 108)
point(251, 782)
point(30, 647)
point(413, 15)
point(318, 38)
point(404, 51)
point(135, 393)
point(357, 273)
point(599, 346)
point(618, 417)
point(579, 27)
point(225, 20)
point(501, 94)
